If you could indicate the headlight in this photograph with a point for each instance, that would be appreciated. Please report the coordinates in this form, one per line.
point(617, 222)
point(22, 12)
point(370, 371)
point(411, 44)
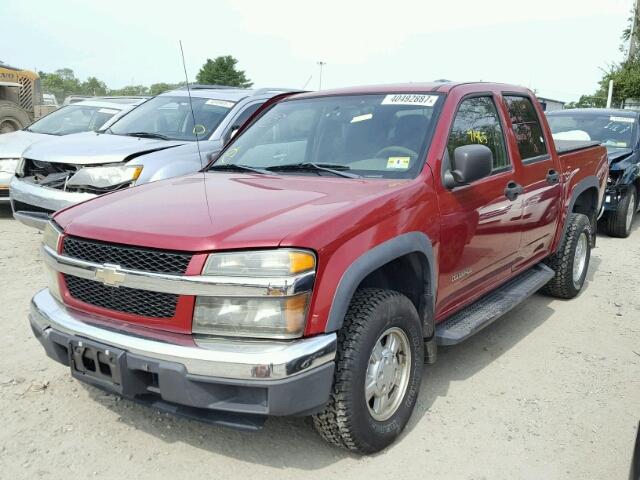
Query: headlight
point(275, 317)
point(51, 238)
point(102, 177)
point(9, 165)
point(267, 263)
point(278, 313)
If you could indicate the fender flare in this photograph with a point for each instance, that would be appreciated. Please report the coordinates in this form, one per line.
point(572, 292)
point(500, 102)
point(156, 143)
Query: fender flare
point(582, 186)
point(373, 259)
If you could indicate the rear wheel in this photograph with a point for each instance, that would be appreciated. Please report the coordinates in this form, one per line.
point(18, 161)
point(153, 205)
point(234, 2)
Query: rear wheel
point(378, 372)
point(620, 221)
point(571, 260)
point(12, 118)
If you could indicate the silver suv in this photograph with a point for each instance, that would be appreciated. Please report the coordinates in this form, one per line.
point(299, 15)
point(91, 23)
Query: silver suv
point(153, 142)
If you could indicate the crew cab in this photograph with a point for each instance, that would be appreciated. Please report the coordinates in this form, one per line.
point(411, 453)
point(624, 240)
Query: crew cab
point(618, 131)
point(89, 115)
point(155, 141)
point(318, 262)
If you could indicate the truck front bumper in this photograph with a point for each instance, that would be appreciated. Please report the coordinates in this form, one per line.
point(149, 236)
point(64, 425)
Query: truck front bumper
point(226, 381)
point(33, 204)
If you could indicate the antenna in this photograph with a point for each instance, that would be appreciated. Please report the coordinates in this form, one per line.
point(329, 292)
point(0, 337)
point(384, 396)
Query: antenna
point(193, 115)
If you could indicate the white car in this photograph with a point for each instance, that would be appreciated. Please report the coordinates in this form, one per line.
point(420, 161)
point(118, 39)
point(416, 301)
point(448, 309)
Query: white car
point(88, 115)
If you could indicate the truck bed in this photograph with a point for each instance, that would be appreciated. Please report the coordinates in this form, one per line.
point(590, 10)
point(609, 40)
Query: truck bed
point(567, 146)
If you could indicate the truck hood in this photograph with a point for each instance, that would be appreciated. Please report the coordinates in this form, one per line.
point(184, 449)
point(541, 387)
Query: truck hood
point(13, 144)
point(90, 148)
point(215, 211)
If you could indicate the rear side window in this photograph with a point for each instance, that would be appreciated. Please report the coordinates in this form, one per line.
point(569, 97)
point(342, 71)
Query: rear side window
point(477, 121)
point(526, 127)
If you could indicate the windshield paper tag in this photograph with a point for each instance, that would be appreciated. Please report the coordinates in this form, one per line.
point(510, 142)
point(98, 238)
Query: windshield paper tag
point(219, 103)
point(410, 99)
point(108, 110)
point(621, 119)
point(398, 162)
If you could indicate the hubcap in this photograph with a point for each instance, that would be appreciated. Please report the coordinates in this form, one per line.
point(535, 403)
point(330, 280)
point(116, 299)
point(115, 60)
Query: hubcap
point(580, 258)
point(630, 211)
point(387, 373)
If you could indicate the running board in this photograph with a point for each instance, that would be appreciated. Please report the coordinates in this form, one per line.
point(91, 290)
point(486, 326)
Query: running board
point(489, 308)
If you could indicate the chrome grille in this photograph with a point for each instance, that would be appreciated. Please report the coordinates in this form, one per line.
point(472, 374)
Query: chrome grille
point(132, 258)
point(122, 299)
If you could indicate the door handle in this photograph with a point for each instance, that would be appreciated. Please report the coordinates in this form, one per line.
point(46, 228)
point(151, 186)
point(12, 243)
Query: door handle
point(513, 190)
point(553, 177)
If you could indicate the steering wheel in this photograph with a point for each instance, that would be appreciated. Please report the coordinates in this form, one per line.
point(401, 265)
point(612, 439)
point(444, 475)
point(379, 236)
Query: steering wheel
point(395, 150)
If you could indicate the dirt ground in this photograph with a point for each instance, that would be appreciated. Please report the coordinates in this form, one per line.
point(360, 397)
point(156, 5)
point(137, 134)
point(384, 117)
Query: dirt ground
point(550, 391)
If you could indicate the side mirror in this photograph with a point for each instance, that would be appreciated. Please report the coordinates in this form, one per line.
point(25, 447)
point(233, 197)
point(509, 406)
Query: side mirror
point(472, 162)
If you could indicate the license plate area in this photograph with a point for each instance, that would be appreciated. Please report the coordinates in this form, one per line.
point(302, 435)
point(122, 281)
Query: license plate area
point(95, 363)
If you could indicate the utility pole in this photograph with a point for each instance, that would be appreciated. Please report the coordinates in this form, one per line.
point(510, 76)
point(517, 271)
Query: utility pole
point(322, 64)
point(633, 43)
point(610, 94)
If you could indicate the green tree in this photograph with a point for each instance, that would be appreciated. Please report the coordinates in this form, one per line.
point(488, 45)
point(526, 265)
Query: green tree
point(130, 90)
point(93, 86)
point(222, 71)
point(158, 88)
point(61, 83)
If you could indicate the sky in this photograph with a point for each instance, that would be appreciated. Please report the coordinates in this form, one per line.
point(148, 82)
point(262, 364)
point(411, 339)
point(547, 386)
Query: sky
point(557, 47)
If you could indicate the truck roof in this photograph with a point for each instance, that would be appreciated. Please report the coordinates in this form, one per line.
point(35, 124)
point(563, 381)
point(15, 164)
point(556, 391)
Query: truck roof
point(418, 87)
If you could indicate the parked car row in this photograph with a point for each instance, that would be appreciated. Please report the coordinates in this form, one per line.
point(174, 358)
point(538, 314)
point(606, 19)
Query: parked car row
point(314, 262)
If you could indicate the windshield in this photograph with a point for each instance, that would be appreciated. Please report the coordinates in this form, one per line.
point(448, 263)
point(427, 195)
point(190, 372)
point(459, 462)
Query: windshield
point(73, 119)
point(171, 117)
point(375, 136)
point(613, 131)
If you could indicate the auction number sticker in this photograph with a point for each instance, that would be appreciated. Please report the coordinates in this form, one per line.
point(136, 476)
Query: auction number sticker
point(621, 119)
point(410, 99)
point(219, 103)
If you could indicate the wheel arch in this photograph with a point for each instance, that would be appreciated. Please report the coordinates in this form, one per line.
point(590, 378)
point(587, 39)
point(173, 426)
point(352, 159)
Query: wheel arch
point(408, 257)
point(585, 199)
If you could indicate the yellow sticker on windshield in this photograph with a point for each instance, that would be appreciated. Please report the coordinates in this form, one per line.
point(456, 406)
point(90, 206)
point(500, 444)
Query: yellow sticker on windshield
point(398, 162)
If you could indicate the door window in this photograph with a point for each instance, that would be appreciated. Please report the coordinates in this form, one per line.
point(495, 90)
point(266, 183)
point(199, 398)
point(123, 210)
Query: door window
point(526, 127)
point(477, 122)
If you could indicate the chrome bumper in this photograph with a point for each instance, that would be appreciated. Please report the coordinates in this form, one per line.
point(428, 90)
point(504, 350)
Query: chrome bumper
point(43, 198)
point(220, 358)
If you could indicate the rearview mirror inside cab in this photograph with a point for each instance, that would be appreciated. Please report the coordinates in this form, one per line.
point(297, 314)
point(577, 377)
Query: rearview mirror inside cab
point(471, 163)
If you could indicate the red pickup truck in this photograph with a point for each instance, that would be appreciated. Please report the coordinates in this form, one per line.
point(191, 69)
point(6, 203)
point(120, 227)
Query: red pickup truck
point(316, 264)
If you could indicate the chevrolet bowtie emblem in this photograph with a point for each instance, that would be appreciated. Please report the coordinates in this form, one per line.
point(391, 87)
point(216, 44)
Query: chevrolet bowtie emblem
point(110, 275)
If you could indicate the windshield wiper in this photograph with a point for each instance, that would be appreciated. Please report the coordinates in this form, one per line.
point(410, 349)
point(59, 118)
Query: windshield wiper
point(237, 167)
point(147, 135)
point(335, 169)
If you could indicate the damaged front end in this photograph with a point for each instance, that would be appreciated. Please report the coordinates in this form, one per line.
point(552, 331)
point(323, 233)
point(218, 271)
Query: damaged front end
point(40, 188)
point(624, 172)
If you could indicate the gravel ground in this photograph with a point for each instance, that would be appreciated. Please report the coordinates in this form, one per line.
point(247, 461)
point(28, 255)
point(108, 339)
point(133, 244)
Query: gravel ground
point(550, 391)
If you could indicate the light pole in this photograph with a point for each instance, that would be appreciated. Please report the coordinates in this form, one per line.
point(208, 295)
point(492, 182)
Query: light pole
point(321, 64)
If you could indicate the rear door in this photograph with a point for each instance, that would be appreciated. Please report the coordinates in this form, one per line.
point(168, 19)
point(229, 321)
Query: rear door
point(480, 224)
point(539, 177)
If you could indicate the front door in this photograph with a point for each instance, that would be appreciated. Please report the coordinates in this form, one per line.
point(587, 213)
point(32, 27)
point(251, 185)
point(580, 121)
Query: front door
point(480, 234)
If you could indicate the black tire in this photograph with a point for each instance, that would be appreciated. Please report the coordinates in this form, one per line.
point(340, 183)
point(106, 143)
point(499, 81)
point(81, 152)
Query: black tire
point(12, 117)
point(346, 421)
point(617, 225)
point(563, 285)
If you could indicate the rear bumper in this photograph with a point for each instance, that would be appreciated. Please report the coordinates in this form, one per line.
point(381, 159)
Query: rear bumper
point(32, 204)
point(232, 382)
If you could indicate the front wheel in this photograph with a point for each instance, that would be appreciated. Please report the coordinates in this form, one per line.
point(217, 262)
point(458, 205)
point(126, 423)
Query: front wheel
point(378, 372)
point(619, 221)
point(571, 260)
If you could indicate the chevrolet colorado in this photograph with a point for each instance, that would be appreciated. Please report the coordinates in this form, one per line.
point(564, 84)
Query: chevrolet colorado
point(314, 267)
